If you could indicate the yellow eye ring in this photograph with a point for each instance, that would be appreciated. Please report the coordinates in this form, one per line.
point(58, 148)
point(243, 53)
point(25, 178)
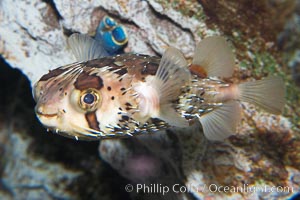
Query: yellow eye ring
point(89, 100)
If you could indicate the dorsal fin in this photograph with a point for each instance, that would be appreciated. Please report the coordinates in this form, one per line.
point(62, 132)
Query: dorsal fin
point(170, 77)
point(215, 57)
point(85, 48)
point(221, 122)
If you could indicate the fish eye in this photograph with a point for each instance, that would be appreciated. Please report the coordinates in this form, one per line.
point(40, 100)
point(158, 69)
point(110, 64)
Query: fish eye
point(119, 35)
point(109, 22)
point(89, 99)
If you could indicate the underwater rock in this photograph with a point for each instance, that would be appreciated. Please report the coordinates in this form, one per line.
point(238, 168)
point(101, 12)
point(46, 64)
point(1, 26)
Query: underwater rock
point(35, 164)
point(159, 160)
point(289, 44)
point(24, 173)
point(265, 153)
point(29, 172)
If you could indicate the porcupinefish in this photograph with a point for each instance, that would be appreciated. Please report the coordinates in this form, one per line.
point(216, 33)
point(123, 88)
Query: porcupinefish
point(124, 95)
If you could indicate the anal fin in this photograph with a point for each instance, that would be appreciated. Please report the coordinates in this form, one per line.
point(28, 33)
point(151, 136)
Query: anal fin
point(221, 122)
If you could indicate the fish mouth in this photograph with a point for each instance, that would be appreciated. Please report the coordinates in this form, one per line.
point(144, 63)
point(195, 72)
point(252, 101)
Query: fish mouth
point(46, 115)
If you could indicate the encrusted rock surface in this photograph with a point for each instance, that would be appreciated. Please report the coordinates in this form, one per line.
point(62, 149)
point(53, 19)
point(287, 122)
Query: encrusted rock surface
point(264, 153)
point(37, 165)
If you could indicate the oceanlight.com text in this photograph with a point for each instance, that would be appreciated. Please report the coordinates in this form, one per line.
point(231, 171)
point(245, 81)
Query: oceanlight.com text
point(158, 188)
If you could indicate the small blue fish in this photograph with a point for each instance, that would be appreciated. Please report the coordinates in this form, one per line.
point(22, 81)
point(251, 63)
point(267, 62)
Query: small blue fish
point(113, 37)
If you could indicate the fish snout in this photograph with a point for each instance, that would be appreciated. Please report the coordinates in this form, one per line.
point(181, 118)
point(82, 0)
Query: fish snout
point(45, 111)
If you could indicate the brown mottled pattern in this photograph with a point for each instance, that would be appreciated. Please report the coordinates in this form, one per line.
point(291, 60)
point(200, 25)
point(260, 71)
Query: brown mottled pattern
point(85, 81)
point(133, 64)
point(91, 118)
point(150, 69)
point(103, 62)
point(198, 70)
point(99, 63)
point(53, 73)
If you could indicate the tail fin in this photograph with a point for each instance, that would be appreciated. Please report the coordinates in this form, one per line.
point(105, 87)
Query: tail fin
point(267, 93)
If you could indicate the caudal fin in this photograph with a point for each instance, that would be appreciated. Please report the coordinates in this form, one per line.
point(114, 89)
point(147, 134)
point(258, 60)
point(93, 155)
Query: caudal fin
point(267, 93)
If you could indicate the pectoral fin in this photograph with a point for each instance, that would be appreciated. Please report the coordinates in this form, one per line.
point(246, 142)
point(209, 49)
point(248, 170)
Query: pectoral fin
point(169, 115)
point(171, 76)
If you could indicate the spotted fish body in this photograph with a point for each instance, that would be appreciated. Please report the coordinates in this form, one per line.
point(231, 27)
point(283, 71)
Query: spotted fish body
point(124, 95)
point(113, 76)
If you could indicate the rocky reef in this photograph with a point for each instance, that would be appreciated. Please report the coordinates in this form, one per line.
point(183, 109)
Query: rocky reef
point(262, 161)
